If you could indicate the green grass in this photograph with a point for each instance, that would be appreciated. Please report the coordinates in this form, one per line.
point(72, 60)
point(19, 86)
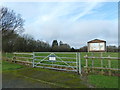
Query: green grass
point(63, 79)
point(60, 79)
point(10, 66)
point(101, 81)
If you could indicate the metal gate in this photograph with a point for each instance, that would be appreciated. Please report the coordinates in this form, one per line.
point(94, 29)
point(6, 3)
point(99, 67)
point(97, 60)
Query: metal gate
point(58, 60)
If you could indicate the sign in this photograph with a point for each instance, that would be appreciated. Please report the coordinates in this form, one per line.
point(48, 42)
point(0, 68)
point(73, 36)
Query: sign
point(96, 46)
point(52, 57)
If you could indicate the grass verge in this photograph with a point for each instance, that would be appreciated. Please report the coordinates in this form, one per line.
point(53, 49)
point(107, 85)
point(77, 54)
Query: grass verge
point(60, 78)
point(101, 81)
point(44, 76)
point(10, 66)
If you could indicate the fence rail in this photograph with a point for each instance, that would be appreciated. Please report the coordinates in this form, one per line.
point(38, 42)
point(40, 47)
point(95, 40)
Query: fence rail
point(115, 69)
point(71, 63)
point(57, 61)
point(113, 58)
point(102, 58)
point(56, 65)
point(57, 68)
point(24, 57)
point(59, 58)
point(24, 53)
point(39, 59)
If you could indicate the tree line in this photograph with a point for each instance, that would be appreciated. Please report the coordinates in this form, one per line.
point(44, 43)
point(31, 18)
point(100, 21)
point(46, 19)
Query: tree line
point(14, 41)
point(61, 47)
point(12, 38)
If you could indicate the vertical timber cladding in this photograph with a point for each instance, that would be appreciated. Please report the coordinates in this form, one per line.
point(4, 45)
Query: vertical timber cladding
point(96, 45)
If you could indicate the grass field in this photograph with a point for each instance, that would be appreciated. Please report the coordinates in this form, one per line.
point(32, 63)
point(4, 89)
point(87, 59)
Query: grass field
point(51, 78)
point(102, 81)
point(10, 66)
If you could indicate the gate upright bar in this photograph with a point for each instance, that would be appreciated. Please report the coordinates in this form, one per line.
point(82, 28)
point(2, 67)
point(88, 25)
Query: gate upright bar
point(33, 59)
point(79, 64)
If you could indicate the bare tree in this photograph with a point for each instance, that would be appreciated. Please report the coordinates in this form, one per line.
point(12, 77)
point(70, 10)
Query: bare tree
point(11, 24)
point(10, 21)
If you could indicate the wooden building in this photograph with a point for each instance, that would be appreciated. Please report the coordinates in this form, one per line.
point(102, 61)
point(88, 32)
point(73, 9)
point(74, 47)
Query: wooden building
point(96, 45)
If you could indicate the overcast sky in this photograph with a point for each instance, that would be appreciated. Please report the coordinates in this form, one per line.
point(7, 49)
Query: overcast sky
point(74, 23)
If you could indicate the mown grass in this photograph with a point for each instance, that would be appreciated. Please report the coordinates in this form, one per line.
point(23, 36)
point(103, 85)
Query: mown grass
point(10, 66)
point(60, 79)
point(63, 79)
point(101, 81)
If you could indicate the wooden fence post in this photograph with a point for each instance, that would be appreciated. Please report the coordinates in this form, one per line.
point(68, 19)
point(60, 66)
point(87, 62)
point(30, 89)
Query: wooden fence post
point(92, 62)
point(86, 63)
point(14, 58)
point(6, 54)
point(101, 63)
point(78, 64)
point(109, 65)
point(33, 59)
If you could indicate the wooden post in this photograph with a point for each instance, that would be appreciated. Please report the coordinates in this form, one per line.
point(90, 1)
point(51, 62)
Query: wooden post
point(86, 64)
point(14, 58)
point(86, 61)
point(109, 65)
point(78, 63)
point(92, 62)
point(102, 63)
point(33, 59)
point(6, 54)
point(101, 60)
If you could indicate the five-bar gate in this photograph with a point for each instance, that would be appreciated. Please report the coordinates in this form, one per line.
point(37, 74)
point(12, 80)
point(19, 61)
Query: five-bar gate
point(58, 60)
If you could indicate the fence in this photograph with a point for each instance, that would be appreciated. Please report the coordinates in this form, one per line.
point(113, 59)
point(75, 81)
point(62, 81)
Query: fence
point(25, 58)
point(68, 61)
point(61, 60)
point(102, 67)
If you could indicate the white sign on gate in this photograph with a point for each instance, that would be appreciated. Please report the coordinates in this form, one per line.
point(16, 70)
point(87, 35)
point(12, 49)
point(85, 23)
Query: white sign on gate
point(52, 57)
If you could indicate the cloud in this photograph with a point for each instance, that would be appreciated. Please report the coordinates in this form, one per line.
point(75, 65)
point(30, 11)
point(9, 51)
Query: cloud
point(79, 33)
point(90, 6)
point(84, 31)
point(66, 21)
point(1, 3)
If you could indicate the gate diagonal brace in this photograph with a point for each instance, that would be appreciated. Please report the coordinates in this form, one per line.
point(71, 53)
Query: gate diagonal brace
point(44, 58)
point(56, 57)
